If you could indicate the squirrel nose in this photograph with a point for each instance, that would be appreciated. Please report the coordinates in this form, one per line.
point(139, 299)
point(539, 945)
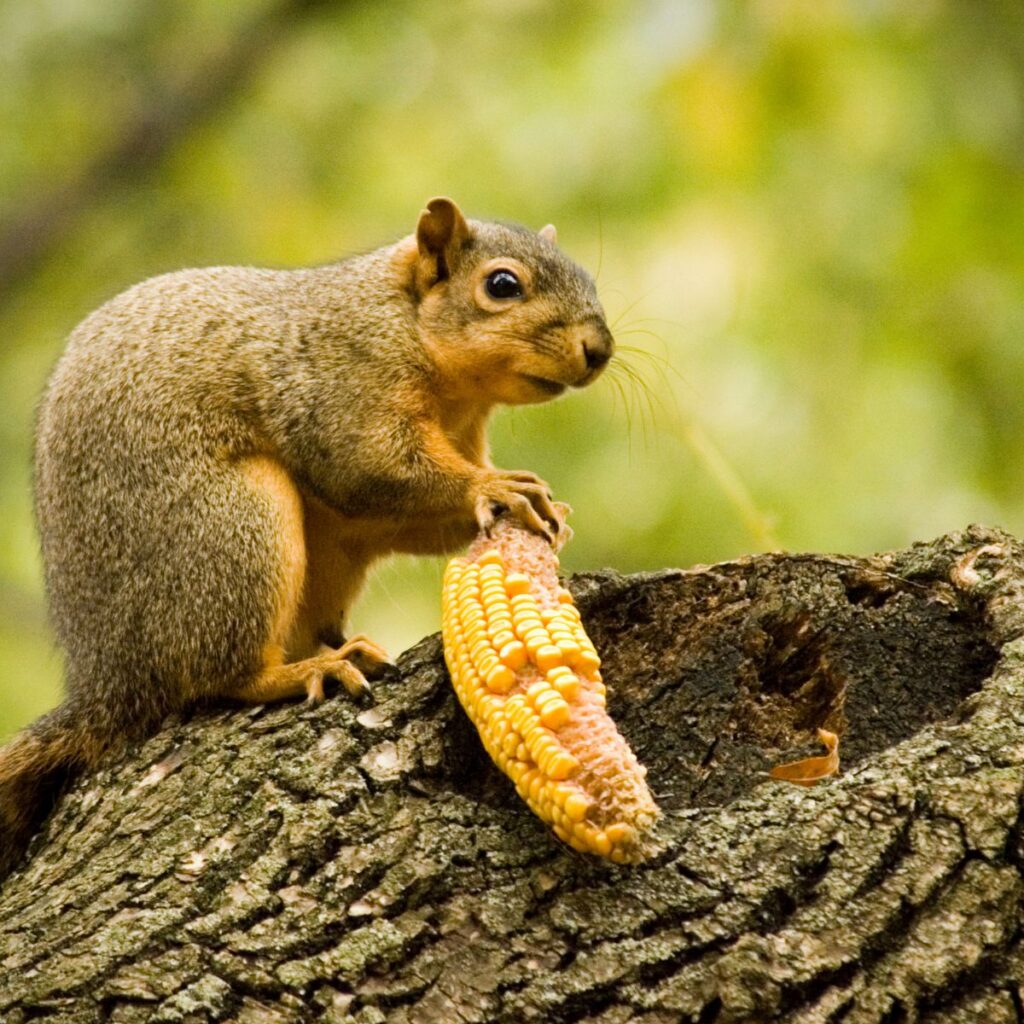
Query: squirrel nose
point(598, 347)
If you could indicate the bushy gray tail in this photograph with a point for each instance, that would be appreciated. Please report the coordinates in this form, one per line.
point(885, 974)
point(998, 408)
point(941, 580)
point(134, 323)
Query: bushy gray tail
point(34, 767)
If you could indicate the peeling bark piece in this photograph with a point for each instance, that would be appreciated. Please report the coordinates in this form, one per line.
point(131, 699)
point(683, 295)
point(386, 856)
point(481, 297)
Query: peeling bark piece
point(809, 771)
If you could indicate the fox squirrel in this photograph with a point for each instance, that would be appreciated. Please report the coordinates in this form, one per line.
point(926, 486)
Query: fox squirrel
point(222, 453)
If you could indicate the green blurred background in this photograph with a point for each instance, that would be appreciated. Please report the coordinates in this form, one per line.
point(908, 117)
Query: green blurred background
point(806, 218)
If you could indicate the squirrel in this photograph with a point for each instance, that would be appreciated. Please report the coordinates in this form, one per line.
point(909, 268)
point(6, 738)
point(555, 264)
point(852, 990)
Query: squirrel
point(222, 453)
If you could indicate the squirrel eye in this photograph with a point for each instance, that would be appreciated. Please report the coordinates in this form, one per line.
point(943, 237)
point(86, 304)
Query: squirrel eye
point(503, 284)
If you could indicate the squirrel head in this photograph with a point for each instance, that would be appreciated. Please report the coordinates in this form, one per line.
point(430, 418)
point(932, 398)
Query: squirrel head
point(503, 314)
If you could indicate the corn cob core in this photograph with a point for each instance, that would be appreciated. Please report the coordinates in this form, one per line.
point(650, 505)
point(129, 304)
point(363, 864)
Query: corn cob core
point(529, 678)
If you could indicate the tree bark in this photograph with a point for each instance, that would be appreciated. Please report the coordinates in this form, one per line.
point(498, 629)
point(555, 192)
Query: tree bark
point(369, 864)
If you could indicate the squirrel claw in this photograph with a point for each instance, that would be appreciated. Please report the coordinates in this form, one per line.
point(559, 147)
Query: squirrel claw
point(486, 517)
point(315, 688)
point(350, 677)
point(371, 655)
point(523, 496)
point(336, 663)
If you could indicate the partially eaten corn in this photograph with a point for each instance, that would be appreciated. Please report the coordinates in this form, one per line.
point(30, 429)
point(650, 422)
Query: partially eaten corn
point(529, 678)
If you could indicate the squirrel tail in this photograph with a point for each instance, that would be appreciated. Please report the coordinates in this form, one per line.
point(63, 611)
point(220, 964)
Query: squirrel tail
point(34, 767)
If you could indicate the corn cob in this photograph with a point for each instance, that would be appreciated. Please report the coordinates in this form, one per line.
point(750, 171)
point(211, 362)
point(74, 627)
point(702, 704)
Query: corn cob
point(529, 678)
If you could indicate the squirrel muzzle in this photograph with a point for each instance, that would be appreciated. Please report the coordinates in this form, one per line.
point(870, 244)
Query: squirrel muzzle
point(597, 346)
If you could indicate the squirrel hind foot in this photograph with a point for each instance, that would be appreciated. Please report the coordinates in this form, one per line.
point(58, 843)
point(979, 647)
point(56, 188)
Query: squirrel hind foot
point(306, 678)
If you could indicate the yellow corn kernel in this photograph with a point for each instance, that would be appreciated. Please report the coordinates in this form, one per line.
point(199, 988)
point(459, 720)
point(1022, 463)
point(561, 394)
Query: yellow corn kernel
point(537, 689)
point(534, 643)
point(536, 787)
point(502, 638)
point(542, 749)
point(620, 832)
point(555, 714)
point(576, 806)
point(560, 792)
point(547, 656)
point(562, 765)
point(517, 700)
point(525, 623)
point(513, 654)
point(569, 648)
point(532, 633)
point(486, 665)
point(516, 582)
point(498, 612)
point(546, 699)
point(500, 679)
point(568, 685)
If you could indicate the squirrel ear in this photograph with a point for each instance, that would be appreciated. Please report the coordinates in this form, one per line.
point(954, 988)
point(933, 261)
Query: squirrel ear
point(440, 234)
point(549, 234)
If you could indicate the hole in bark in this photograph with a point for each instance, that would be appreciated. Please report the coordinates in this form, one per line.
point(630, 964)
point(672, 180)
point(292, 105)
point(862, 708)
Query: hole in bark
point(795, 688)
point(841, 1012)
point(896, 1014)
point(779, 906)
point(709, 1014)
point(1017, 1000)
point(869, 589)
point(760, 654)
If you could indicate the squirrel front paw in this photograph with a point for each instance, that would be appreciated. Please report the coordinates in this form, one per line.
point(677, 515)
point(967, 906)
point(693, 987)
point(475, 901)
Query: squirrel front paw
point(526, 497)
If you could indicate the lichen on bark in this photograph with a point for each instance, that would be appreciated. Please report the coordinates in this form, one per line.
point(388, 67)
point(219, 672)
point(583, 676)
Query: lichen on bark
point(368, 863)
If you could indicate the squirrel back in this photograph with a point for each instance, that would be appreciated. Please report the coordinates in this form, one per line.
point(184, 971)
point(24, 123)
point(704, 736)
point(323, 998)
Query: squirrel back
point(221, 454)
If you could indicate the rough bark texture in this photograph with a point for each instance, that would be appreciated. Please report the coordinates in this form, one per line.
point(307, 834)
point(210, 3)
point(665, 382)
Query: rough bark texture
point(369, 864)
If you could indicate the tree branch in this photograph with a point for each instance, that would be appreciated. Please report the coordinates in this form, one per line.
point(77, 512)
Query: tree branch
point(369, 864)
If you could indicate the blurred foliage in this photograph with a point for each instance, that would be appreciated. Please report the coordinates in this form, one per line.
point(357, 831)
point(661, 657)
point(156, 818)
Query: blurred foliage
point(806, 218)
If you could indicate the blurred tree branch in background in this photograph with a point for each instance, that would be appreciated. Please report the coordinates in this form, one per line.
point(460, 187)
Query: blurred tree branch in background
point(167, 112)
